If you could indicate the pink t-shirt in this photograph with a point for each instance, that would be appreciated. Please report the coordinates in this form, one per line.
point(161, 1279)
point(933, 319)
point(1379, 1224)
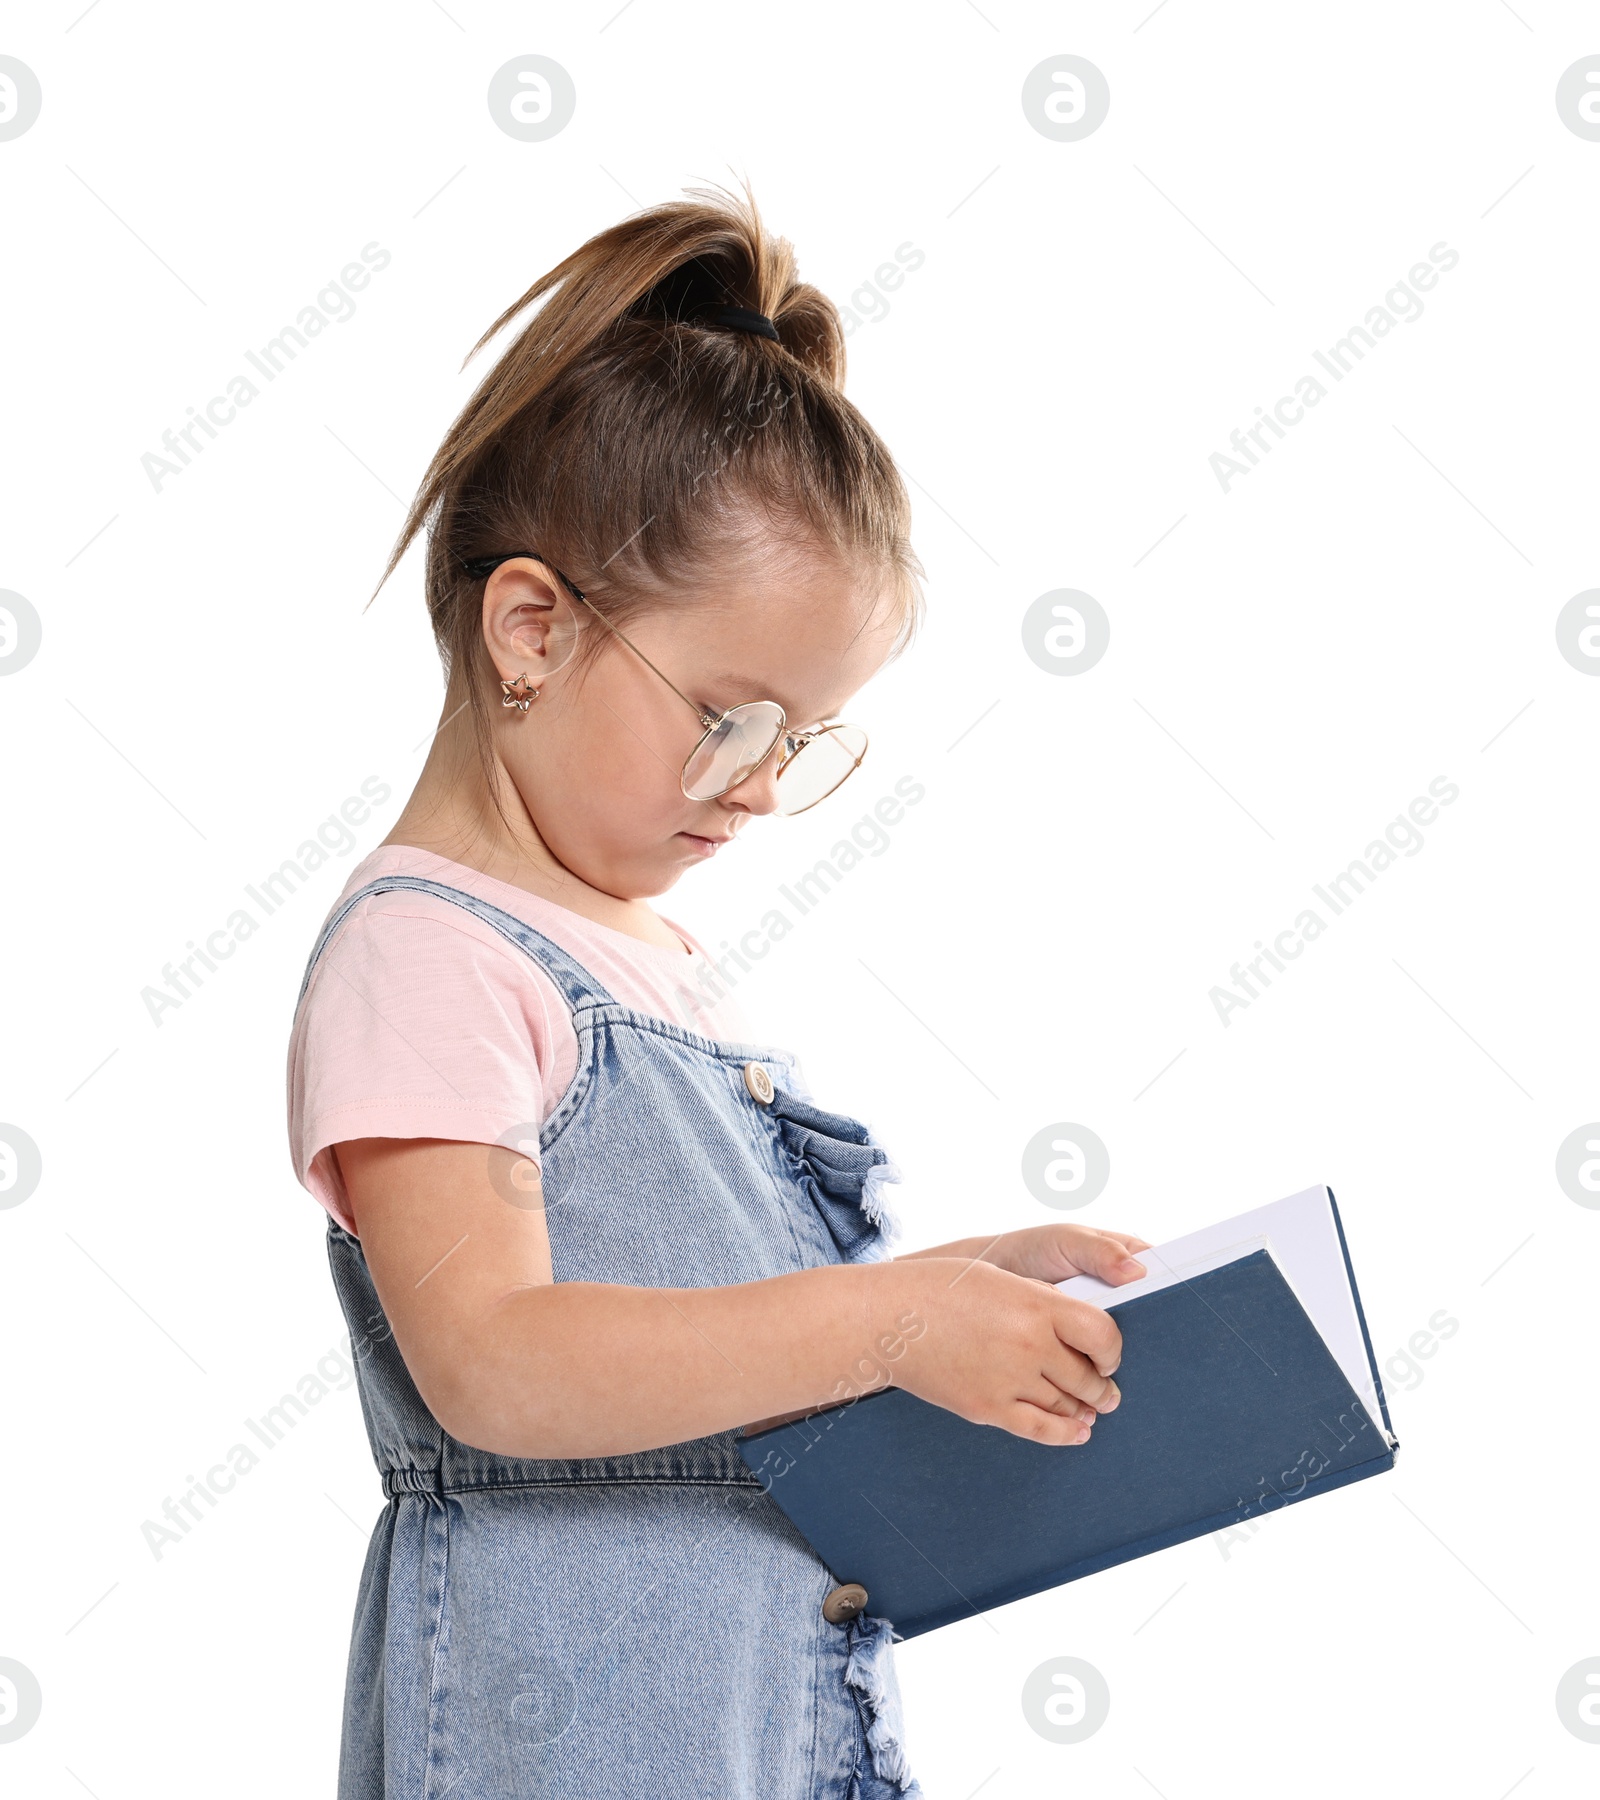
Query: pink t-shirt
point(421, 1020)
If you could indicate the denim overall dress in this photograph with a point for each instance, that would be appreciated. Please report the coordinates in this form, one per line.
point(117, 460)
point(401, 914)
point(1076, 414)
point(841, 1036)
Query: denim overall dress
point(642, 1625)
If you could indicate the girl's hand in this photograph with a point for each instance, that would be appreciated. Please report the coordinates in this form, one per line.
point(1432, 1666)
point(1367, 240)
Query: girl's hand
point(1053, 1253)
point(1001, 1350)
point(1058, 1252)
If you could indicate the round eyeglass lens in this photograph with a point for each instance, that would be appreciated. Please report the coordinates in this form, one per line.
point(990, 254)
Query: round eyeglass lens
point(817, 767)
point(732, 749)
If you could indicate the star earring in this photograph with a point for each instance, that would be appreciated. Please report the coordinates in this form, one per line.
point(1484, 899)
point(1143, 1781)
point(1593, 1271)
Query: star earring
point(517, 693)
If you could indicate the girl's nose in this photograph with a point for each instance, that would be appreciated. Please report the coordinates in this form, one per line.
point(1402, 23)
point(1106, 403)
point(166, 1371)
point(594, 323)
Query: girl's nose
point(757, 794)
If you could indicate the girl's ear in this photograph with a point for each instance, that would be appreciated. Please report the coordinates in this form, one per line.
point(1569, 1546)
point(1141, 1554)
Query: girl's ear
point(528, 622)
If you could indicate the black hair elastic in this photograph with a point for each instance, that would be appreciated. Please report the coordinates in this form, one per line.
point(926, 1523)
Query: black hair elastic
point(741, 318)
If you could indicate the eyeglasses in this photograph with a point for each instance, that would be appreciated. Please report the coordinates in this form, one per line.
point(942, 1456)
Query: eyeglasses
point(735, 743)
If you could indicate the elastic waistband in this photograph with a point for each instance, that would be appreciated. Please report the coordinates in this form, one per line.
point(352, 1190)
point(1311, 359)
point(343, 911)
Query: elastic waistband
point(709, 1463)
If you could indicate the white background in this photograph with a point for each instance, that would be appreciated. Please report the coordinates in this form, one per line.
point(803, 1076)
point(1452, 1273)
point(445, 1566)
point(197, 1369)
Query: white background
point(1372, 608)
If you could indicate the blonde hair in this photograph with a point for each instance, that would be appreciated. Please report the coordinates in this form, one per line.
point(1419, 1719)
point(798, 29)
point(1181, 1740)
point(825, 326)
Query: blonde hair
point(634, 448)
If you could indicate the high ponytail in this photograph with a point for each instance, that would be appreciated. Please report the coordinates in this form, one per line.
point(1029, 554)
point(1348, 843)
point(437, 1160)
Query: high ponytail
point(633, 446)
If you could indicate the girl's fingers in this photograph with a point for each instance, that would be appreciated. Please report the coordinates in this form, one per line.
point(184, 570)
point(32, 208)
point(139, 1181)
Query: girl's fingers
point(1129, 1240)
point(1043, 1426)
point(1077, 1379)
point(1089, 1334)
point(1105, 1254)
point(1049, 1398)
point(1121, 1263)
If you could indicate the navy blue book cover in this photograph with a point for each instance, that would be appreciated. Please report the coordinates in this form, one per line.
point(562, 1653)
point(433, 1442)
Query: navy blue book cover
point(1232, 1406)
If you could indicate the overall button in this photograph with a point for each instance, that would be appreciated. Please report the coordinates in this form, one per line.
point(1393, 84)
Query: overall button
point(845, 1603)
point(759, 1083)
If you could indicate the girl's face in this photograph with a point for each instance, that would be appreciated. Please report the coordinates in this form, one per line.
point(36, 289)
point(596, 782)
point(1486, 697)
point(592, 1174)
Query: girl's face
point(597, 758)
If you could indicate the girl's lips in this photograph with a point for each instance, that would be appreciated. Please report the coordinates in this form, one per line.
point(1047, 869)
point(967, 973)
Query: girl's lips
point(705, 846)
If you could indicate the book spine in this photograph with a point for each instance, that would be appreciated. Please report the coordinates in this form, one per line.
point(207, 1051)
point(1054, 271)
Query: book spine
point(1361, 1318)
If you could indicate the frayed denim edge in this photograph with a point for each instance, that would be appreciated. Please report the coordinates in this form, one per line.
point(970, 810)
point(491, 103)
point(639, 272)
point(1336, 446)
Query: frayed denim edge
point(864, 1676)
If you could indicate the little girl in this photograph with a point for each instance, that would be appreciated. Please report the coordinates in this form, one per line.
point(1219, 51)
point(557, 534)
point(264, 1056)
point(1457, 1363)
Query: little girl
point(582, 1235)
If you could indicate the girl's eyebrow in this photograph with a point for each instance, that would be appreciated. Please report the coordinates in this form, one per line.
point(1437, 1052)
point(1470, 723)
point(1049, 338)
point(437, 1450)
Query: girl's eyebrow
point(741, 689)
point(747, 688)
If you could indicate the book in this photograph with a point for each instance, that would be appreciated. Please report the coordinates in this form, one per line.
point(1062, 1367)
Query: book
point(1248, 1383)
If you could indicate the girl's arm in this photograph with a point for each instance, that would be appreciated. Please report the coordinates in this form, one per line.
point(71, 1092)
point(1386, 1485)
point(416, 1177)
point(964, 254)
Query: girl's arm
point(511, 1362)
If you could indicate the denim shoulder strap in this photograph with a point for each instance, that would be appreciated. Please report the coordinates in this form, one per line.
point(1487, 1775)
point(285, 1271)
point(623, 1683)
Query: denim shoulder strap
point(578, 987)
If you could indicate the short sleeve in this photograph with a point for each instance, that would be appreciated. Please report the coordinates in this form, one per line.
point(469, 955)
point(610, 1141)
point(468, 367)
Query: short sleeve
point(421, 1022)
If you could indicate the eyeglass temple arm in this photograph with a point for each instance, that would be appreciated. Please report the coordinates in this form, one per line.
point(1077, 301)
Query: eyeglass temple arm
point(488, 566)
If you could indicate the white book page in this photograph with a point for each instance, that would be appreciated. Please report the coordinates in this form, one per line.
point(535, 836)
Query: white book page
point(1300, 1235)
